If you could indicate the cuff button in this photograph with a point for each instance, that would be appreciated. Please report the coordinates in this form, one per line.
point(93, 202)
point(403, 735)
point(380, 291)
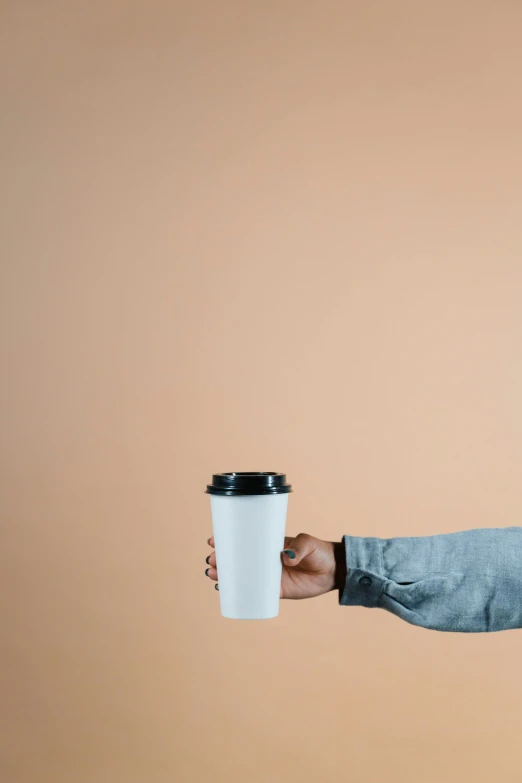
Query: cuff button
point(365, 581)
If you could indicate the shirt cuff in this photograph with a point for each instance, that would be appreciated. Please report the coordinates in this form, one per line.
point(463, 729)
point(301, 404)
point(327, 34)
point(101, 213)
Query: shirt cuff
point(365, 572)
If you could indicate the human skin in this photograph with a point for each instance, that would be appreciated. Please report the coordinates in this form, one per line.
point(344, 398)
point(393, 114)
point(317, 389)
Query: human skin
point(311, 566)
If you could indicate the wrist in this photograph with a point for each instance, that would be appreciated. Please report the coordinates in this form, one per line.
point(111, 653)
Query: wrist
point(341, 570)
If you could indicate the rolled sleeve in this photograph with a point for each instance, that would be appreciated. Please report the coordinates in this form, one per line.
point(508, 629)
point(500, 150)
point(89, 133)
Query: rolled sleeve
point(466, 582)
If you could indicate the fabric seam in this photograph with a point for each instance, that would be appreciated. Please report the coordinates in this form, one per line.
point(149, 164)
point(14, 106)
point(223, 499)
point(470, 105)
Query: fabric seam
point(381, 548)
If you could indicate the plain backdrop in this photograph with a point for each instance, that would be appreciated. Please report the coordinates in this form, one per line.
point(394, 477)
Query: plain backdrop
point(241, 235)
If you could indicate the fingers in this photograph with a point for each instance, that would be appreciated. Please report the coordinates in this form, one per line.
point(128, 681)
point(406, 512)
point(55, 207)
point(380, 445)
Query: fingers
point(296, 549)
point(211, 572)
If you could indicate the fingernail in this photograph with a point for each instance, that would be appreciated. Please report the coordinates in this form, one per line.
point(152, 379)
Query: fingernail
point(206, 571)
point(216, 587)
point(290, 553)
point(207, 560)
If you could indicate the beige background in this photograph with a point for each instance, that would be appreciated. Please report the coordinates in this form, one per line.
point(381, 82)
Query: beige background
point(252, 235)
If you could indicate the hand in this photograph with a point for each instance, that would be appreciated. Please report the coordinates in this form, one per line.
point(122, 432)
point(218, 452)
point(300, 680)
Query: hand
point(311, 567)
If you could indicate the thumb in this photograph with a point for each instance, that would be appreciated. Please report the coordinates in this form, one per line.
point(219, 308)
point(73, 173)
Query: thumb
point(296, 549)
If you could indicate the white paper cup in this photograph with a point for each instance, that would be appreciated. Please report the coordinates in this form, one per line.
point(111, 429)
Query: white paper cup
point(248, 518)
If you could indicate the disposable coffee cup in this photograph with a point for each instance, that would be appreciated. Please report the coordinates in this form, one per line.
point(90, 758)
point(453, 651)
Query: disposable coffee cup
point(248, 518)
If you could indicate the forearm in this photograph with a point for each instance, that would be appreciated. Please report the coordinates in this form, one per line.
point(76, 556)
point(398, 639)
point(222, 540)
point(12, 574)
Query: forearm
point(467, 582)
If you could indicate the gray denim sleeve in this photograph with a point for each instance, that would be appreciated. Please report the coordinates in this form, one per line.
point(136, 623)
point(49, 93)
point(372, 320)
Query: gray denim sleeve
point(468, 582)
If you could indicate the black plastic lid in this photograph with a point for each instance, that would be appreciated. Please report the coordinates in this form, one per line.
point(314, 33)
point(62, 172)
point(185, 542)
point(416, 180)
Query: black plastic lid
point(248, 484)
